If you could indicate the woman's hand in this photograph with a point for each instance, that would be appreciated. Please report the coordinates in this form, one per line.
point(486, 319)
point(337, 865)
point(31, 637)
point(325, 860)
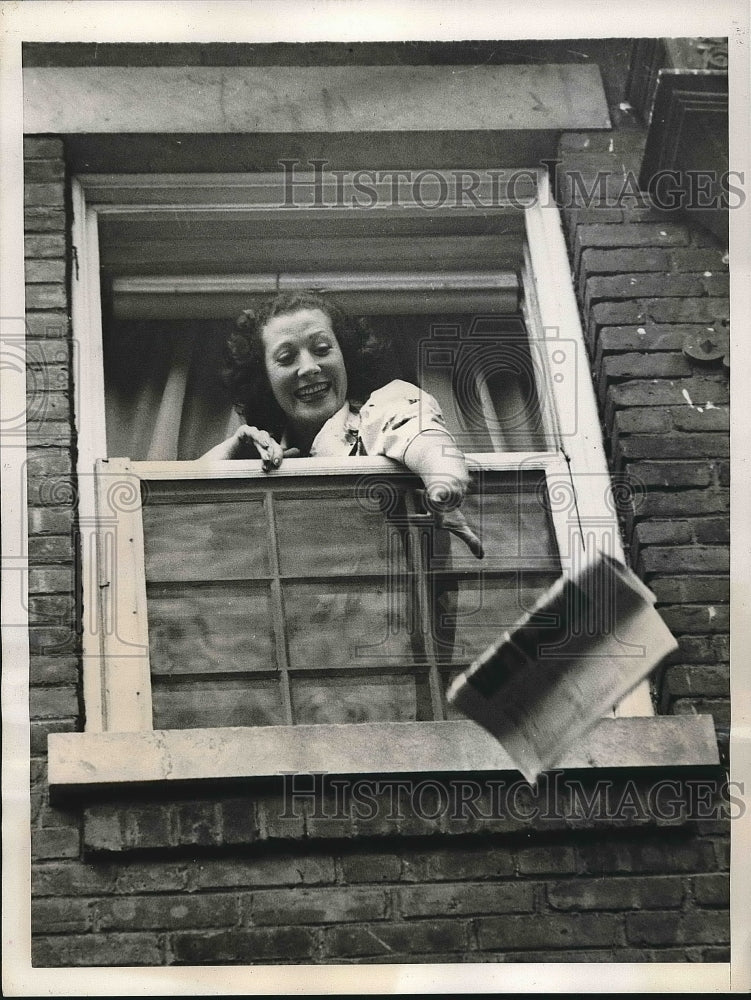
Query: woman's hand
point(248, 441)
point(443, 498)
point(435, 457)
point(269, 451)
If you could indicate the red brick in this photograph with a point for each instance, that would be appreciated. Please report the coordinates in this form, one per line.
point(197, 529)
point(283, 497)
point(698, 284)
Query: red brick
point(588, 216)
point(459, 863)
point(53, 670)
point(718, 708)
point(386, 867)
point(660, 855)
point(61, 916)
point(665, 310)
point(712, 890)
point(49, 194)
point(693, 588)
point(623, 261)
point(196, 824)
point(244, 947)
point(41, 730)
point(45, 580)
point(42, 379)
point(705, 927)
point(712, 530)
point(47, 521)
point(616, 894)
point(315, 906)
point(637, 234)
point(699, 618)
point(68, 878)
point(691, 259)
point(716, 284)
point(700, 418)
point(45, 407)
point(43, 171)
point(466, 898)
point(44, 246)
point(48, 433)
point(663, 533)
point(168, 912)
point(47, 325)
point(639, 285)
point(55, 842)
point(670, 473)
point(698, 679)
point(685, 559)
point(660, 364)
point(49, 640)
point(649, 235)
point(643, 419)
point(276, 820)
point(44, 220)
point(398, 939)
point(42, 149)
point(97, 950)
point(700, 389)
point(48, 462)
point(685, 503)
point(40, 271)
point(700, 649)
point(550, 930)
point(43, 352)
point(540, 860)
point(121, 827)
point(45, 297)
point(153, 876)
point(674, 446)
point(236, 872)
point(53, 702)
point(51, 548)
point(238, 822)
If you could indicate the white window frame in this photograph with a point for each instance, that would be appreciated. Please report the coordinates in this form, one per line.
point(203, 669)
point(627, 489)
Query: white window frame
point(119, 744)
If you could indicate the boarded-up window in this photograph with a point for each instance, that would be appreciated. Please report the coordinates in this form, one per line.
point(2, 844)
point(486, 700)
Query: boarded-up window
point(332, 599)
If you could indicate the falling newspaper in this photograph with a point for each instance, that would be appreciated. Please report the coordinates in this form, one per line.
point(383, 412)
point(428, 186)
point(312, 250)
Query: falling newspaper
point(590, 639)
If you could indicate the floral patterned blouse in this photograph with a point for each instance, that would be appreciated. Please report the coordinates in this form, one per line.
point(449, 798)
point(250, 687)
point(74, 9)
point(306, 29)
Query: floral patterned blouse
point(386, 424)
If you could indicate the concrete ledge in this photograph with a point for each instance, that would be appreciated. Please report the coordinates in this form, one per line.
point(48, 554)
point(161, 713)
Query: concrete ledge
point(88, 99)
point(81, 760)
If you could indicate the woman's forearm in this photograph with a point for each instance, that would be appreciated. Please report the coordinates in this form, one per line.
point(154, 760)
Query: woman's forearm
point(226, 449)
point(437, 459)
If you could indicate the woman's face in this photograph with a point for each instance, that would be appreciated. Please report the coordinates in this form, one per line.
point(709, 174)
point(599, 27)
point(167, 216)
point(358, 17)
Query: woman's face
point(305, 367)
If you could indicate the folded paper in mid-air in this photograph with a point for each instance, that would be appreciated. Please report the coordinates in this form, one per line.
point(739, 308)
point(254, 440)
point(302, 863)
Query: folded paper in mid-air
point(590, 639)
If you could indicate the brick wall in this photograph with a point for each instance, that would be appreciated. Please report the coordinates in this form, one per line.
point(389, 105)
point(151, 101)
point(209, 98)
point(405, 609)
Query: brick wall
point(648, 284)
point(223, 877)
point(519, 877)
point(54, 660)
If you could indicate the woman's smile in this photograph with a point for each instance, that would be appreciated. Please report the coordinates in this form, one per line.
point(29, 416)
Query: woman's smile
point(306, 372)
point(313, 393)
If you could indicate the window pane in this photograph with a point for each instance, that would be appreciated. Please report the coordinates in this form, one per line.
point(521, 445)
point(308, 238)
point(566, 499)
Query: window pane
point(510, 512)
point(371, 698)
point(472, 611)
point(205, 704)
point(338, 536)
point(205, 541)
point(212, 629)
point(341, 623)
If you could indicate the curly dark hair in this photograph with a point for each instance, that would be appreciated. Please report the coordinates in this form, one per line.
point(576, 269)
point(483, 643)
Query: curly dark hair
point(368, 359)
